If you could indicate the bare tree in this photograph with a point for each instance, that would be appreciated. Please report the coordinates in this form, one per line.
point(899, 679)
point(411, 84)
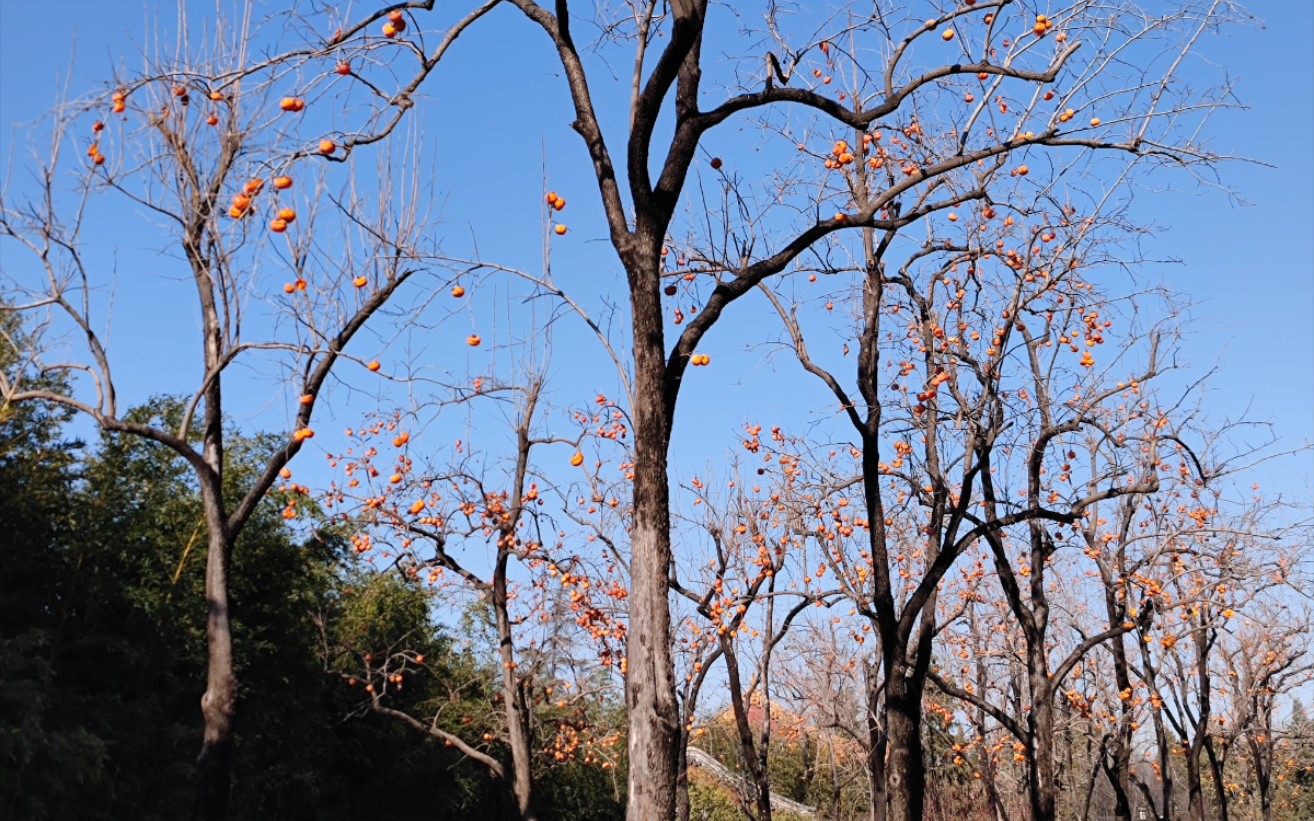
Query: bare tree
point(200, 153)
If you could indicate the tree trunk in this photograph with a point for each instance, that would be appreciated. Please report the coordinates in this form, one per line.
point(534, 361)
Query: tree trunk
point(1194, 786)
point(513, 696)
point(876, 746)
point(682, 807)
point(755, 776)
point(650, 679)
point(1041, 720)
point(905, 768)
point(219, 704)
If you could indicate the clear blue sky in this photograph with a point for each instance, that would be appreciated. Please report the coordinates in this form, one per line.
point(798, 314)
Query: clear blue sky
point(1249, 268)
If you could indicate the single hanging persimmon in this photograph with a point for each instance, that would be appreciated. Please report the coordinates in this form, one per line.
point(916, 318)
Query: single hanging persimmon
point(458, 291)
point(212, 120)
point(327, 147)
point(217, 97)
point(343, 68)
point(561, 230)
point(473, 340)
point(374, 366)
point(948, 35)
point(278, 226)
point(560, 204)
point(287, 215)
point(360, 282)
point(306, 399)
point(282, 183)
point(577, 459)
point(241, 201)
point(716, 163)
point(254, 186)
point(98, 127)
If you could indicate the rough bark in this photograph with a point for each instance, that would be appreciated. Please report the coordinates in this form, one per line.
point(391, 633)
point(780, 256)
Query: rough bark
point(513, 696)
point(650, 677)
point(219, 703)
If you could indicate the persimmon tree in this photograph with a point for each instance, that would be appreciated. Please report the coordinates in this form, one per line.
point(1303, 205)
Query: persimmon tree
point(741, 603)
point(903, 116)
point(1000, 51)
point(486, 536)
point(289, 257)
point(1056, 89)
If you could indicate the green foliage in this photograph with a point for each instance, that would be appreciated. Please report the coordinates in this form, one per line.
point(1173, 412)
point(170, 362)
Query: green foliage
point(102, 647)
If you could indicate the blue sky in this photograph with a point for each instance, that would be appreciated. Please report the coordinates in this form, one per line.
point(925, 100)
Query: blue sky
point(1248, 269)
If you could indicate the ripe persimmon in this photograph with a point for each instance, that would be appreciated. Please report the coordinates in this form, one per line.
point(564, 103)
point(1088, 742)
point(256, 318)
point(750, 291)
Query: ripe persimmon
point(287, 215)
point(577, 459)
point(561, 230)
point(278, 226)
point(473, 340)
point(343, 68)
point(360, 282)
point(374, 366)
point(282, 183)
point(327, 147)
point(458, 291)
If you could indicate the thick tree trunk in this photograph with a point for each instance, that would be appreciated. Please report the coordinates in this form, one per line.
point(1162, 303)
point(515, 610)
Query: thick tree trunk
point(219, 704)
point(1042, 789)
point(650, 676)
point(1194, 786)
point(905, 767)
